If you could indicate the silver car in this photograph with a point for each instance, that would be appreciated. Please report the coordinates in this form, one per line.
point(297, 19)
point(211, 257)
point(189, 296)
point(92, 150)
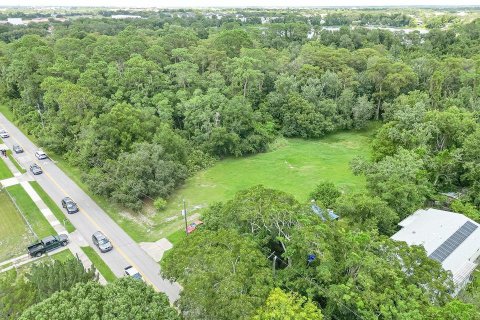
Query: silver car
point(40, 155)
point(101, 241)
point(4, 133)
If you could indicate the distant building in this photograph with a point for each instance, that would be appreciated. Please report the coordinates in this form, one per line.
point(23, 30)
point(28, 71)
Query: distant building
point(448, 237)
point(15, 21)
point(125, 16)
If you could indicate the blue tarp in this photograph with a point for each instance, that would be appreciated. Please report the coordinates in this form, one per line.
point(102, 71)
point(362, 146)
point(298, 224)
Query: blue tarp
point(321, 214)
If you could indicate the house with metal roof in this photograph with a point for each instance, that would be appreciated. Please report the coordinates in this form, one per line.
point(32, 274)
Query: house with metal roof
point(448, 237)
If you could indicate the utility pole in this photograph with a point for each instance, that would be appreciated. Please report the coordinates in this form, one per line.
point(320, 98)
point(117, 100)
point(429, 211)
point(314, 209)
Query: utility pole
point(184, 212)
point(41, 116)
point(274, 264)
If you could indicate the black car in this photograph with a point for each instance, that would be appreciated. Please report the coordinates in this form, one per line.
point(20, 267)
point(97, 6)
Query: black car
point(35, 168)
point(101, 241)
point(17, 149)
point(70, 205)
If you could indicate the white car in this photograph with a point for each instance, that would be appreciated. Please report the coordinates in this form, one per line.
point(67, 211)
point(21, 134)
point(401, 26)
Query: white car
point(40, 155)
point(132, 272)
point(4, 133)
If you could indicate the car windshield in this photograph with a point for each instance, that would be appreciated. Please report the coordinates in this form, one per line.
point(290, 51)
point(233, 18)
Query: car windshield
point(70, 205)
point(137, 276)
point(103, 241)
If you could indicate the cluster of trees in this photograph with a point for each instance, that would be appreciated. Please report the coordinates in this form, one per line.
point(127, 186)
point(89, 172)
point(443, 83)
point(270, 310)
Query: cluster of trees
point(264, 255)
point(140, 105)
point(20, 290)
point(397, 19)
point(65, 290)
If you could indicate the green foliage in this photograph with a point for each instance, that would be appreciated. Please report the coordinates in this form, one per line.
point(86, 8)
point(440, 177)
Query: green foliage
point(19, 291)
point(126, 298)
point(281, 305)
point(99, 264)
point(48, 278)
point(400, 180)
point(144, 172)
point(466, 209)
point(369, 212)
point(16, 295)
point(267, 215)
point(356, 273)
point(325, 193)
point(160, 204)
point(224, 275)
point(221, 87)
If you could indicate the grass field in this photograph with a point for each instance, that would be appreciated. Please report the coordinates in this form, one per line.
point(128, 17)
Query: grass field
point(4, 171)
point(14, 233)
point(62, 256)
point(53, 207)
point(14, 161)
point(294, 165)
point(33, 215)
point(99, 264)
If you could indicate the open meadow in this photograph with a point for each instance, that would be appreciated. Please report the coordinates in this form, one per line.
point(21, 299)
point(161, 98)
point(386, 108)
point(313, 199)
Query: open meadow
point(14, 234)
point(295, 166)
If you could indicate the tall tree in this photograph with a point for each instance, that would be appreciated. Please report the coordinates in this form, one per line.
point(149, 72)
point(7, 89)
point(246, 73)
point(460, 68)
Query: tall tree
point(224, 275)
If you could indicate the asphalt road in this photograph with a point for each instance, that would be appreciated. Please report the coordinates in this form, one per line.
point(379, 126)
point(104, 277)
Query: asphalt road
point(91, 217)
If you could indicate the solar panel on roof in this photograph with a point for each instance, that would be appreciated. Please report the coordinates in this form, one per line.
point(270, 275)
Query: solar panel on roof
point(453, 242)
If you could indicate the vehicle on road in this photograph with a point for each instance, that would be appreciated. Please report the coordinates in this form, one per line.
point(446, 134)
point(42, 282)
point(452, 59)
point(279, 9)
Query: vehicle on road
point(40, 155)
point(47, 244)
point(35, 169)
point(101, 241)
point(17, 149)
point(70, 205)
point(132, 272)
point(4, 133)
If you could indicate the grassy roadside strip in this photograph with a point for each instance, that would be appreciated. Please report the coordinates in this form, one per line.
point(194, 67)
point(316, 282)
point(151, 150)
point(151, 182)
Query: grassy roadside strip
point(57, 212)
point(63, 256)
point(99, 264)
point(177, 236)
point(31, 212)
point(15, 162)
point(5, 172)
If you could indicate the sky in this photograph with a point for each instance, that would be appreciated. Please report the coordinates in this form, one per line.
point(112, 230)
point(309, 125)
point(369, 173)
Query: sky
point(232, 3)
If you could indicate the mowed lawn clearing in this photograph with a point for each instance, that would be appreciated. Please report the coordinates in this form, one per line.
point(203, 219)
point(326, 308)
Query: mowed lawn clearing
point(295, 166)
point(5, 172)
point(14, 234)
point(33, 215)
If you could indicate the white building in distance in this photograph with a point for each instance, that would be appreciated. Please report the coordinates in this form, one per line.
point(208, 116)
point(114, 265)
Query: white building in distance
point(125, 16)
point(15, 21)
point(448, 237)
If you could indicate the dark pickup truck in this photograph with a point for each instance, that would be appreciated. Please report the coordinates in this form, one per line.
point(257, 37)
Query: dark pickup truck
point(47, 244)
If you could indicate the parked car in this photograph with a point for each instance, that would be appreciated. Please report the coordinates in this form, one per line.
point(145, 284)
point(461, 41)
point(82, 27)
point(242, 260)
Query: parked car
point(47, 244)
point(40, 155)
point(35, 168)
point(4, 133)
point(132, 272)
point(70, 205)
point(17, 149)
point(101, 241)
point(193, 226)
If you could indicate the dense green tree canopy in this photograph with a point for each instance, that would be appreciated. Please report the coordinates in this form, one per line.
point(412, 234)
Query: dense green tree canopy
point(126, 298)
point(224, 276)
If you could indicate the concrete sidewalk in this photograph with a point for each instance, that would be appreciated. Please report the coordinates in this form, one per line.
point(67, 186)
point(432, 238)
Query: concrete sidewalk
point(75, 242)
